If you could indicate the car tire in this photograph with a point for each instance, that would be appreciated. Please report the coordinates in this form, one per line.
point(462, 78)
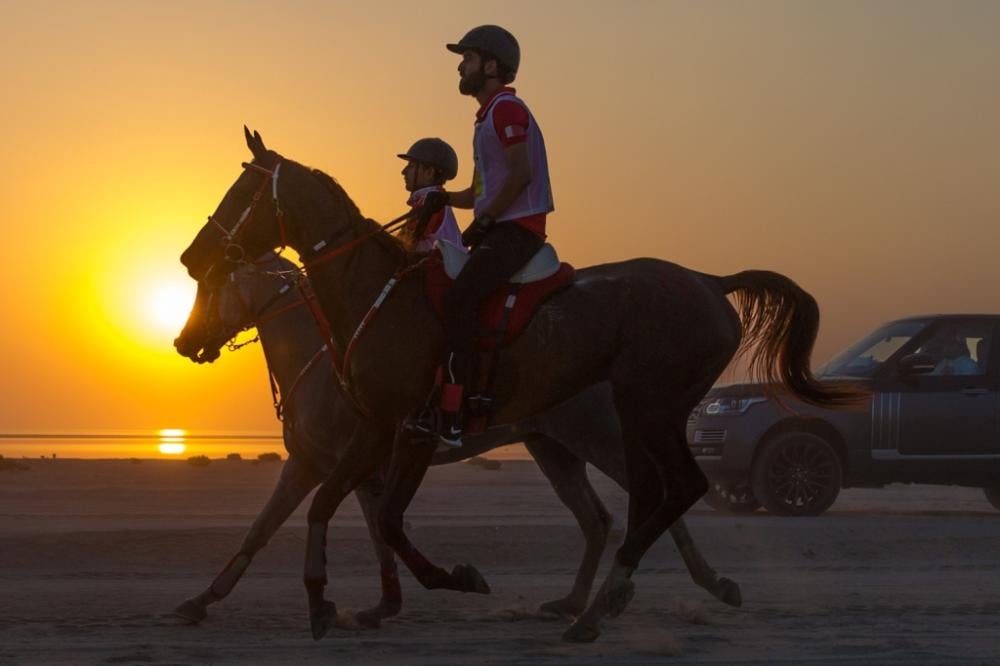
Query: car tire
point(797, 474)
point(993, 496)
point(731, 498)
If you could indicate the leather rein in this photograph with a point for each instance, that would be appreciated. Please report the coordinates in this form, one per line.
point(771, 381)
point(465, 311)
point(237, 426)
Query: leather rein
point(235, 253)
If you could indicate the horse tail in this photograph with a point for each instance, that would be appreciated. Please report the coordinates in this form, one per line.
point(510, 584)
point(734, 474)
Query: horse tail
point(780, 322)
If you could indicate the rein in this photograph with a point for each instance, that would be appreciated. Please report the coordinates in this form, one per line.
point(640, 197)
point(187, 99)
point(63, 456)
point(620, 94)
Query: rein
point(341, 366)
point(317, 259)
point(235, 253)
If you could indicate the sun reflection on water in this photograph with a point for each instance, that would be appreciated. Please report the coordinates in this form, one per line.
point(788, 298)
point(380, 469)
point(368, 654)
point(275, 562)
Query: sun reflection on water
point(172, 441)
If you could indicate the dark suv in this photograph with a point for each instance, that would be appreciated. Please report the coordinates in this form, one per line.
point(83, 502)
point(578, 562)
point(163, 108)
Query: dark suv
point(934, 418)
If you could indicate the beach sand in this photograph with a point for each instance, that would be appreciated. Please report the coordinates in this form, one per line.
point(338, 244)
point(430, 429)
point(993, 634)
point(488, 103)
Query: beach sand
point(95, 554)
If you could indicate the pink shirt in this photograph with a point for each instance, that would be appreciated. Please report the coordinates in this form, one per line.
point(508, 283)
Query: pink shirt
point(442, 225)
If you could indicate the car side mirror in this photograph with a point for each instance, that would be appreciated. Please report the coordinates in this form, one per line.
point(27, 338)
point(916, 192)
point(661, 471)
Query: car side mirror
point(916, 364)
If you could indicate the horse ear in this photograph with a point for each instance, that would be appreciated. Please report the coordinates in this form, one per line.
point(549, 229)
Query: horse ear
point(255, 143)
point(252, 144)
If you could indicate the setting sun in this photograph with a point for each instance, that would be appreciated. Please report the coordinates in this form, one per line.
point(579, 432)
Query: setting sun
point(168, 305)
point(172, 441)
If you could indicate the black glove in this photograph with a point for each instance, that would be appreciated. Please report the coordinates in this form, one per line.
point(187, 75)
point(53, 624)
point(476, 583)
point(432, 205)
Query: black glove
point(477, 231)
point(433, 202)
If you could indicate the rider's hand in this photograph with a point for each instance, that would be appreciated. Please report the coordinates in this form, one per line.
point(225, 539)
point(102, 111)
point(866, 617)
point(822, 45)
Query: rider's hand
point(433, 202)
point(476, 232)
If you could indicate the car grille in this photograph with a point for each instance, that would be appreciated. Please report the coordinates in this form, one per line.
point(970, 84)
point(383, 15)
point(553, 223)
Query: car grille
point(709, 436)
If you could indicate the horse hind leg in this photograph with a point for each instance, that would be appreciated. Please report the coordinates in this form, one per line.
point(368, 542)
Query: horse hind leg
point(294, 484)
point(724, 589)
point(683, 483)
point(653, 439)
point(645, 491)
point(568, 476)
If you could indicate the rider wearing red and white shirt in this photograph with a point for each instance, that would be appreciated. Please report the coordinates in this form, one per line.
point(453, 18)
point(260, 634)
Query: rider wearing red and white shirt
point(510, 194)
point(502, 122)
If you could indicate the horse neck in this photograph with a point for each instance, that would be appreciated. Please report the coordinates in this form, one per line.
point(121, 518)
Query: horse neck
point(289, 341)
point(347, 285)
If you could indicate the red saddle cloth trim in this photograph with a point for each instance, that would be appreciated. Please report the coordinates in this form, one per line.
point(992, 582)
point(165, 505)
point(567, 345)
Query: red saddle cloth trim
point(529, 297)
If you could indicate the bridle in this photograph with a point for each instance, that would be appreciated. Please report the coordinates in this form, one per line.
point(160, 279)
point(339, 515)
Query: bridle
point(265, 312)
point(321, 252)
point(236, 254)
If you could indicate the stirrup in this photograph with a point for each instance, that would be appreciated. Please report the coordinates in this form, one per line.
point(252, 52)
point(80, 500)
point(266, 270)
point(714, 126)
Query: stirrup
point(433, 425)
point(422, 427)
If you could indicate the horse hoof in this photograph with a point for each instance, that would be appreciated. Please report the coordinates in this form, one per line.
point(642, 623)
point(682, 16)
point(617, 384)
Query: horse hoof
point(191, 611)
point(561, 608)
point(369, 619)
point(728, 592)
point(619, 597)
point(469, 579)
point(581, 632)
point(322, 619)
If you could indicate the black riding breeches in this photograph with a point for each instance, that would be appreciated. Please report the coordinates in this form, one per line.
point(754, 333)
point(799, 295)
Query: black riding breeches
point(505, 249)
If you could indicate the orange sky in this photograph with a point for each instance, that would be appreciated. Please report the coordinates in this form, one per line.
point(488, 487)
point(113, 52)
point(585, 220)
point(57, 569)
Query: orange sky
point(854, 146)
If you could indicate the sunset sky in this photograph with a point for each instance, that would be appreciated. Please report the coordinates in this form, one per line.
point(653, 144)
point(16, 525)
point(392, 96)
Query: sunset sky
point(854, 146)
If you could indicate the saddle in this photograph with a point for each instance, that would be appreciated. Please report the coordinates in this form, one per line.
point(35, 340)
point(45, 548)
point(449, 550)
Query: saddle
point(505, 313)
point(502, 316)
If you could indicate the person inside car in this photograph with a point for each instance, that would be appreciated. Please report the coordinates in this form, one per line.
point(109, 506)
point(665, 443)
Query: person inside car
point(955, 359)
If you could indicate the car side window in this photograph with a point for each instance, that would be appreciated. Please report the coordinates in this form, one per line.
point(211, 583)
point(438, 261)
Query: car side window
point(959, 349)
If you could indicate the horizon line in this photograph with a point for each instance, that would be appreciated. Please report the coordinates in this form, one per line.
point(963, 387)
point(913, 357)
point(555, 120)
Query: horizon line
point(35, 435)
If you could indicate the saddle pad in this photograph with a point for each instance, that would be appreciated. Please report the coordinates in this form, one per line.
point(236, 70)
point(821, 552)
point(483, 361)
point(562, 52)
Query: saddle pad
point(529, 297)
point(544, 263)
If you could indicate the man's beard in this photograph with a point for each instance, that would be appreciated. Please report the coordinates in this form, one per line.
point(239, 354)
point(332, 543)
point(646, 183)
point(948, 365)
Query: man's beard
point(472, 83)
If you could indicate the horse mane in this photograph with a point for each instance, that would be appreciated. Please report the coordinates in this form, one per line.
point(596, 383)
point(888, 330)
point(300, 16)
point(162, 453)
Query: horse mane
point(395, 246)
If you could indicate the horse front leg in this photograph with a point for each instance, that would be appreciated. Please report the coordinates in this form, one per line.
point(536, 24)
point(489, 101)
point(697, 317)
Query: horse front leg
point(410, 460)
point(369, 495)
point(359, 462)
point(296, 480)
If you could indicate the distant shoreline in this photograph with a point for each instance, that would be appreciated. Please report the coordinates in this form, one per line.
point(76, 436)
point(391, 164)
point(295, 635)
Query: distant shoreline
point(150, 436)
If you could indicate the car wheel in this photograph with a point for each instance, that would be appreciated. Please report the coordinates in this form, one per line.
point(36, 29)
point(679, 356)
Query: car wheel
point(731, 498)
point(993, 495)
point(797, 474)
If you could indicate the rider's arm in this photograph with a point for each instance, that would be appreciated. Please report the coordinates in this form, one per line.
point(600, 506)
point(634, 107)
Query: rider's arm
point(462, 199)
point(518, 177)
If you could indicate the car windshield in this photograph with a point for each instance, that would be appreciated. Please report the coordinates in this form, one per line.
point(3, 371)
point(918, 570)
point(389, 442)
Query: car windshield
point(865, 357)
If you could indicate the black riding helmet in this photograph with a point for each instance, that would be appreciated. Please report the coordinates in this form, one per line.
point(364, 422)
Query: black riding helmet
point(436, 153)
point(494, 41)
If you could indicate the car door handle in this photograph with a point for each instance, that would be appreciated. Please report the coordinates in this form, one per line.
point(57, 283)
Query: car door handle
point(974, 391)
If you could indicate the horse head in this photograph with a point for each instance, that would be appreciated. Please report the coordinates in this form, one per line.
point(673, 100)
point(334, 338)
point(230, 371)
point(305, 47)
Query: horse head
point(203, 335)
point(252, 293)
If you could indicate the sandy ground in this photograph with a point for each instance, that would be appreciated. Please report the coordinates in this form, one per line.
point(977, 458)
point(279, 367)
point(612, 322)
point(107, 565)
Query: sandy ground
point(94, 555)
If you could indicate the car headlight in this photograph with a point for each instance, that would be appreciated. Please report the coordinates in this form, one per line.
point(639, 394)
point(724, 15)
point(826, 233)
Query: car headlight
point(731, 406)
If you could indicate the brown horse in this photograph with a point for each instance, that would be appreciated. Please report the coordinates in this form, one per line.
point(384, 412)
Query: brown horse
point(317, 421)
point(659, 333)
